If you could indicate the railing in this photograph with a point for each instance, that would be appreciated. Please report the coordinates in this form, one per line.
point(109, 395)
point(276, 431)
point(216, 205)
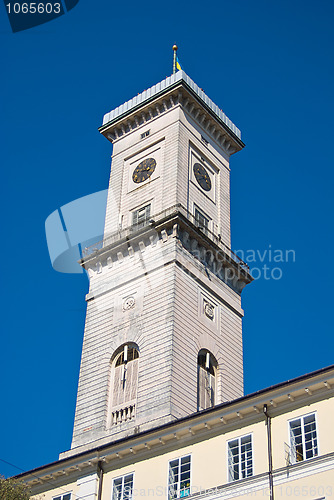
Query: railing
point(155, 220)
point(123, 414)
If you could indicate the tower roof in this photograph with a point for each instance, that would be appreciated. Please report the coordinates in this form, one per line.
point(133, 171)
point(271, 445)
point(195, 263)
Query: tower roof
point(161, 88)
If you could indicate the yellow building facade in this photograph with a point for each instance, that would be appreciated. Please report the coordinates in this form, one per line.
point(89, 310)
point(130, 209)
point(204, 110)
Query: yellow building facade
point(225, 451)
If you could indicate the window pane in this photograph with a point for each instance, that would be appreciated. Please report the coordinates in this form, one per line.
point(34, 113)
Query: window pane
point(246, 457)
point(174, 470)
point(117, 489)
point(205, 382)
point(67, 496)
point(296, 440)
point(172, 491)
point(184, 492)
point(173, 478)
point(128, 486)
point(240, 458)
point(311, 446)
point(233, 448)
point(179, 478)
point(201, 220)
point(141, 215)
point(303, 438)
point(185, 477)
point(185, 460)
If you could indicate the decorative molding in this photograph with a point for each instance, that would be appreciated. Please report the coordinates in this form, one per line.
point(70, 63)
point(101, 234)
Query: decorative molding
point(147, 114)
point(209, 310)
point(128, 303)
point(190, 105)
point(198, 424)
point(213, 255)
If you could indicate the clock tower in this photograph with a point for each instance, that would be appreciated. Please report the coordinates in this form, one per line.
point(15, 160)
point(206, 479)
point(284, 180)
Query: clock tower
point(163, 332)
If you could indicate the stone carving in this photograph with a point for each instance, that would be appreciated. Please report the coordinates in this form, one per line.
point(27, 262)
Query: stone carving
point(209, 310)
point(129, 303)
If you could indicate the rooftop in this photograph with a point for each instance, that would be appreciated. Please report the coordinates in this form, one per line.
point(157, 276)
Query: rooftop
point(279, 397)
point(164, 86)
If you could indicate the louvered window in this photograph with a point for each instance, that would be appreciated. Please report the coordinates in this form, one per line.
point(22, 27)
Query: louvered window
point(303, 438)
point(240, 458)
point(125, 376)
point(206, 380)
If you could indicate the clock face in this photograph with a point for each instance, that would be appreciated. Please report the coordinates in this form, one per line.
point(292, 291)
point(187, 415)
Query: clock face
point(144, 170)
point(202, 177)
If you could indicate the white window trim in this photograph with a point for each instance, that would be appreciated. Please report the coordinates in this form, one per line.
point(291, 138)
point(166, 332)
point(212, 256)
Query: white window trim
point(215, 377)
point(205, 215)
point(227, 449)
point(122, 476)
point(61, 495)
point(191, 471)
point(316, 429)
point(111, 407)
point(138, 207)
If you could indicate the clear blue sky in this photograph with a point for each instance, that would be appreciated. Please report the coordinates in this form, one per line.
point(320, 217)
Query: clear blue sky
point(269, 66)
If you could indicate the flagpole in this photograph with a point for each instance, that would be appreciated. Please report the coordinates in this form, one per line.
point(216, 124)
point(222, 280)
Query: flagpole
point(174, 59)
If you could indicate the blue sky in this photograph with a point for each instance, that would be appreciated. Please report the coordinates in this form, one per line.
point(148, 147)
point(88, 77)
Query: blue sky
point(269, 66)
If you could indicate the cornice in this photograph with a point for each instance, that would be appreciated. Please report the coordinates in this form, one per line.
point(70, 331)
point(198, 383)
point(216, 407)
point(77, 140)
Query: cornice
point(220, 419)
point(173, 223)
point(180, 95)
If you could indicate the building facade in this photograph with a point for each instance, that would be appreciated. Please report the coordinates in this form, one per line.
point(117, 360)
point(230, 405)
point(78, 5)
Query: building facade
point(160, 407)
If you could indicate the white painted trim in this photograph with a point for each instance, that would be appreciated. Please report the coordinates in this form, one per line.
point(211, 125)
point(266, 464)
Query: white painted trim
point(155, 90)
point(226, 457)
point(61, 495)
point(119, 477)
point(191, 470)
point(303, 433)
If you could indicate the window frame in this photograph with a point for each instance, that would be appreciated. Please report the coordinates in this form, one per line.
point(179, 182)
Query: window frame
point(213, 377)
point(301, 418)
point(117, 400)
point(239, 438)
point(123, 476)
point(145, 134)
point(137, 210)
point(123, 367)
point(179, 481)
point(204, 228)
point(61, 496)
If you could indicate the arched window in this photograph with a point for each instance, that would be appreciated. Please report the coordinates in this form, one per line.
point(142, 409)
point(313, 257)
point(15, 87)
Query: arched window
point(206, 380)
point(124, 384)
